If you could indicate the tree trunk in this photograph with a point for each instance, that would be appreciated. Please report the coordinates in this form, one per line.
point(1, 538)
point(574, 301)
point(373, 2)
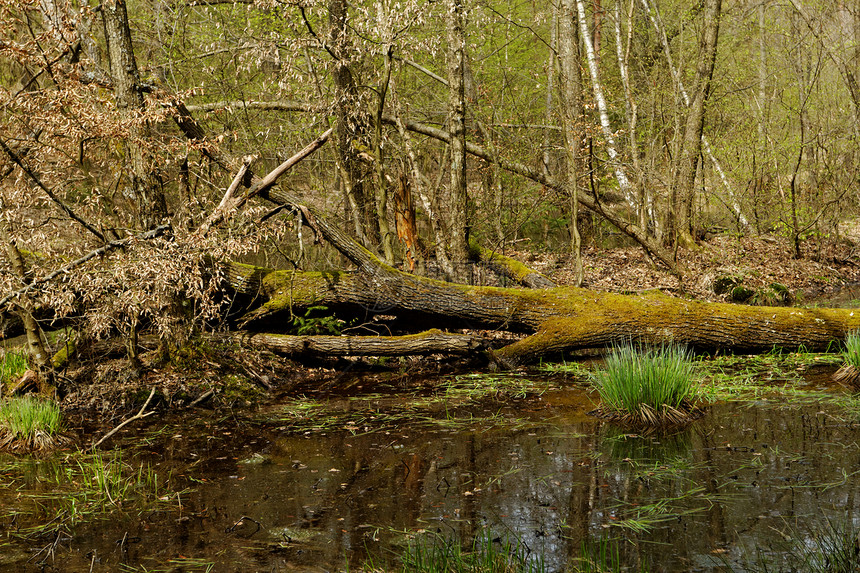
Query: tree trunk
point(429, 342)
point(657, 23)
point(508, 267)
point(351, 126)
point(39, 359)
point(382, 180)
point(571, 101)
point(622, 53)
point(151, 205)
point(684, 179)
point(456, 56)
point(561, 319)
point(609, 138)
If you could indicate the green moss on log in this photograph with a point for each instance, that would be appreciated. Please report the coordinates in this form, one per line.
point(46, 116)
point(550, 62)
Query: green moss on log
point(562, 318)
point(509, 267)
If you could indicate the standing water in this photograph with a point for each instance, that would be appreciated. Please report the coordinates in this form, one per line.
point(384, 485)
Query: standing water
point(331, 482)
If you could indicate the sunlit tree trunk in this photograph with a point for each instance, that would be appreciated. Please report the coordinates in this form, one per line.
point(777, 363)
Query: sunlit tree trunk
point(571, 101)
point(456, 58)
point(560, 319)
point(148, 194)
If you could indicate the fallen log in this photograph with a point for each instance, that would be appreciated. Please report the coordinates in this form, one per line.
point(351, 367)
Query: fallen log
point(429, 342)
point(561, 319)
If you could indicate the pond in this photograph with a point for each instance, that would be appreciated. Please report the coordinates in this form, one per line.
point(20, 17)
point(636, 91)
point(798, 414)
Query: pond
point(334, 481)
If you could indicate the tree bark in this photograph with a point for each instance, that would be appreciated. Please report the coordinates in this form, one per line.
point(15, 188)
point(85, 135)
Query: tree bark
point(39, 359)
point(151, 204)
point(382, 180)
point(351, 124)
point(571, 101)
point(508, 267)
point(456, 56)
point(657, 23)
point(561, 319)
point(684, 174)
point(609, 138)
point(424, 343)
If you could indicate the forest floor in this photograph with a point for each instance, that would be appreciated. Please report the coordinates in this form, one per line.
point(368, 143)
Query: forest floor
point(756, 261)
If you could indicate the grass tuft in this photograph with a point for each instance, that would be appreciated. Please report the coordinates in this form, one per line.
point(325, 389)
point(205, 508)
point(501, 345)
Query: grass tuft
point(28, 423)
point(849, 374)
point(12, 366)
point(487, 555)
point(647, 386)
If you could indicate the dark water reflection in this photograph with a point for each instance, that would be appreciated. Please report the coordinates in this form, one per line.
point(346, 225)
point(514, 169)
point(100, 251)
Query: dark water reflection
point(545, 474)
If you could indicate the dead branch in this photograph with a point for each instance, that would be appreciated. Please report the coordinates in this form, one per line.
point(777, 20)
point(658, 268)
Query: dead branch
point(53, 196)
point(221, 211)
point(138, 416)
point(269, 180)
point(429, 342)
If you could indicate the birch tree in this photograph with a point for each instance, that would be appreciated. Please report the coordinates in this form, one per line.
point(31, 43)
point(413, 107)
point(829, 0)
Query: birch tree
point(600, 100)
point(456, 62)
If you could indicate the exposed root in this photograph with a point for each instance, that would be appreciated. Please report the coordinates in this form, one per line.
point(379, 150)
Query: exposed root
point(39, 442)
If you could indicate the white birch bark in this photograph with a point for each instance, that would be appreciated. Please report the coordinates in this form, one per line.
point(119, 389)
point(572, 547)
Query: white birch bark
point(622, 50)
point(618, 168)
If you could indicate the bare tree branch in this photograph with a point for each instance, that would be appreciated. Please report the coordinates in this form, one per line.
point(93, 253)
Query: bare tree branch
point(137, 416)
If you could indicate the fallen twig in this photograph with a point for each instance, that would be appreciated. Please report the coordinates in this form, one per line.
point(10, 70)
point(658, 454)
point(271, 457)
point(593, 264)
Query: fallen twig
point(203, 397)
point(137, 416)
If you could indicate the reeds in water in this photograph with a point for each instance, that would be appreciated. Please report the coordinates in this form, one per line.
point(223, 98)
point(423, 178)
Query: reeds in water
point(648, 386)
point(30, 424)
point(849, 373)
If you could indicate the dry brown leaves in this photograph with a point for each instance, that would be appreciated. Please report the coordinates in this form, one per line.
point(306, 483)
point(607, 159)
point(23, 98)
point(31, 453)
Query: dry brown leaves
point(759, 261)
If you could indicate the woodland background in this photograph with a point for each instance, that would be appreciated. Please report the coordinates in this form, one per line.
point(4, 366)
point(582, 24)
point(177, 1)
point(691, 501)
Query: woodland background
point(545, 126)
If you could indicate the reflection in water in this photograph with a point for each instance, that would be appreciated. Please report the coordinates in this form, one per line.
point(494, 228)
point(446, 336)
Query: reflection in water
point(740, 477)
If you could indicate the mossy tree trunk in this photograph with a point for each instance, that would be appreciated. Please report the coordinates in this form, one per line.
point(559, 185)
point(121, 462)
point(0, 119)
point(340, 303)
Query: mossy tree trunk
point(558, 319)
